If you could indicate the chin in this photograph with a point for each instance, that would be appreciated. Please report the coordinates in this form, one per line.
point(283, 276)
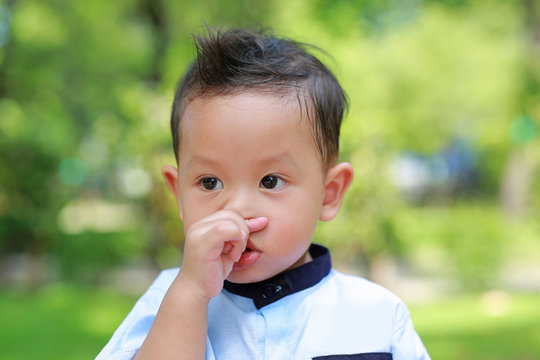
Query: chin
point(247, 276)
point(239, 278)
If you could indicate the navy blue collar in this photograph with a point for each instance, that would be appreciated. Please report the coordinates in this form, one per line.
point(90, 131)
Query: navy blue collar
point(289, 282)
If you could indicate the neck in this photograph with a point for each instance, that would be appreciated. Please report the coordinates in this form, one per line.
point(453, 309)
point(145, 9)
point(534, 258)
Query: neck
point(304, 259)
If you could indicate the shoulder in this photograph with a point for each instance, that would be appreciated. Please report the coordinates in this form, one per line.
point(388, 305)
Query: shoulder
point(355, 292)
point(358, 287)
point(363, 316)
point(373, 312)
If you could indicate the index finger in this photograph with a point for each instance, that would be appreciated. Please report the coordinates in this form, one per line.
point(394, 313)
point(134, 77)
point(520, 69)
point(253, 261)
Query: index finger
point(257, 224)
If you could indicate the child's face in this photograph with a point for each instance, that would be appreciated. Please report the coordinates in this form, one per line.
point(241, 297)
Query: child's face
point(255, 155)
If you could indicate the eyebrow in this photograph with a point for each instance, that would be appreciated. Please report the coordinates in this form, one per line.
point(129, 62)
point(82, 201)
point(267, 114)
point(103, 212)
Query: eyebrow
point(199, 160)
point(283, 157)
point(278, 158)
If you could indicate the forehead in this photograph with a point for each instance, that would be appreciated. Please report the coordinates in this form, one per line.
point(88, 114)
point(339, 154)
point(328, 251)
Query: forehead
point(253, 108)
point(236, 121)
point(245, 99)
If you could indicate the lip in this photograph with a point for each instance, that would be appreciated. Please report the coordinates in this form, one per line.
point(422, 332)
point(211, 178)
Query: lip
point(248, 258)
point(251, 245)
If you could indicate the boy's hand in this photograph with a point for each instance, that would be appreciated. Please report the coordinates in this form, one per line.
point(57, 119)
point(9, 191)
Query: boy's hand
point(212, 246)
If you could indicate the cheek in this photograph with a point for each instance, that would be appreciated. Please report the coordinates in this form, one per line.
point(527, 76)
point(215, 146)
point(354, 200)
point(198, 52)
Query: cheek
point(297, 214)
point(193, 210)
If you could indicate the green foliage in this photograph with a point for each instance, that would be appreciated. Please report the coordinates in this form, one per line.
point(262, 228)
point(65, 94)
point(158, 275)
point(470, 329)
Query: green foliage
point(446, 72)
point(86, 88)
point(26, 168)
point(472, 239)
point(77, 112)
point(83, 257)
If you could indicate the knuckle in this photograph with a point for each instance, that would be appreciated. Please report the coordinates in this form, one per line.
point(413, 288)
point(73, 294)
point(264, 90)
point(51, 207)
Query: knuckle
point(225, 229)
point(194, 232)
point(231, 214)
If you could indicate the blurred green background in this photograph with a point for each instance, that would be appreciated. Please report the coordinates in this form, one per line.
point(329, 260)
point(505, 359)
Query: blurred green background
point(443, 132)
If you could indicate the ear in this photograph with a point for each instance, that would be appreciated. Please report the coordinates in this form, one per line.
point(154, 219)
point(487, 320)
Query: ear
point(170, 174)
point(338, 179)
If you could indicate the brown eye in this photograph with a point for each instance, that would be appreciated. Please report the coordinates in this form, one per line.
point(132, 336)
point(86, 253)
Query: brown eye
point(211, 183)
point(271, 182)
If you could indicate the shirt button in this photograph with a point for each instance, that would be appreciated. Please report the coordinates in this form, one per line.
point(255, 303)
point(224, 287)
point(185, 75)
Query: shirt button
point(270, 291)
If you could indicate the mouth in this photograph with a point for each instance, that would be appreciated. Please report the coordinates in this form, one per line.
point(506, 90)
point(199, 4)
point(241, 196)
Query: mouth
point(250, 246)
point(249, 257)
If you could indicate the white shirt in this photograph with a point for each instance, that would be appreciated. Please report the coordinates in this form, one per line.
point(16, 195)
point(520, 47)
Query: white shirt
point(309, 312)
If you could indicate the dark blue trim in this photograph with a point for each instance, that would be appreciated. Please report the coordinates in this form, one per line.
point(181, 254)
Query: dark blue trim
point(289, 282)
point(364, 356)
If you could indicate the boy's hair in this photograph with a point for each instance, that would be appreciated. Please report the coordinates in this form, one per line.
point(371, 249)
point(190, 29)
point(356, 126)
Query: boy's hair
point(235, 61)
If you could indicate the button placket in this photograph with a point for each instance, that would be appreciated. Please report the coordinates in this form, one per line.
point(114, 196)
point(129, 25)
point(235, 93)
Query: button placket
point(269, 291)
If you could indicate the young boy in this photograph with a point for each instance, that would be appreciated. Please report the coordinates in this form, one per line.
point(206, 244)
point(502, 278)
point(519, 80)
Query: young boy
point(255, 127)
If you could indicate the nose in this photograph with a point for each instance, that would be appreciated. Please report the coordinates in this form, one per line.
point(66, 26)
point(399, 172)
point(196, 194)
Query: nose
point(241, 201)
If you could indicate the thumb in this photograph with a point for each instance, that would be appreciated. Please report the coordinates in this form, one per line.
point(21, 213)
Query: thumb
point(257, 223)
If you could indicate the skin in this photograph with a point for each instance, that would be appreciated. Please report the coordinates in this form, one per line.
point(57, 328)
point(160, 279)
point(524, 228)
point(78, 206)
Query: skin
point(249, 176)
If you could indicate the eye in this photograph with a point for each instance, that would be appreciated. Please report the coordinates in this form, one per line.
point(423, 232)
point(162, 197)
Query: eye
point(272, 182)
point(211, 183)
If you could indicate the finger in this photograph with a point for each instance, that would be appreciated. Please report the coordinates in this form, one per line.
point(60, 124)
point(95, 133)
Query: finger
point(232, 237)
point(212, 239)
point(257, 224)
point(237, 247)
point(227, 247)
point(227, 215)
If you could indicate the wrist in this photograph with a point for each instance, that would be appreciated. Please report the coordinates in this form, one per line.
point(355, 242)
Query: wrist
point(188, 290)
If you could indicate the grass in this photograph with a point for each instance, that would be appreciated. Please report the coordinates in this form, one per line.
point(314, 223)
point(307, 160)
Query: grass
point(71, 322)
point(59, 322)
point(493, 325)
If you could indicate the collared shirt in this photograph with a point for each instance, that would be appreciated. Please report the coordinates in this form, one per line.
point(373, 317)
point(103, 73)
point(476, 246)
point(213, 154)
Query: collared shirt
point(309, 312)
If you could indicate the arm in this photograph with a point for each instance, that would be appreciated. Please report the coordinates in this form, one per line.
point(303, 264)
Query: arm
point(180, 327)
point(212, 246)
point(405, 342)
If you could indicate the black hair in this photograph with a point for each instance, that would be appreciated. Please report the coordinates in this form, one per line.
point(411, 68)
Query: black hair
point(237, 60)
